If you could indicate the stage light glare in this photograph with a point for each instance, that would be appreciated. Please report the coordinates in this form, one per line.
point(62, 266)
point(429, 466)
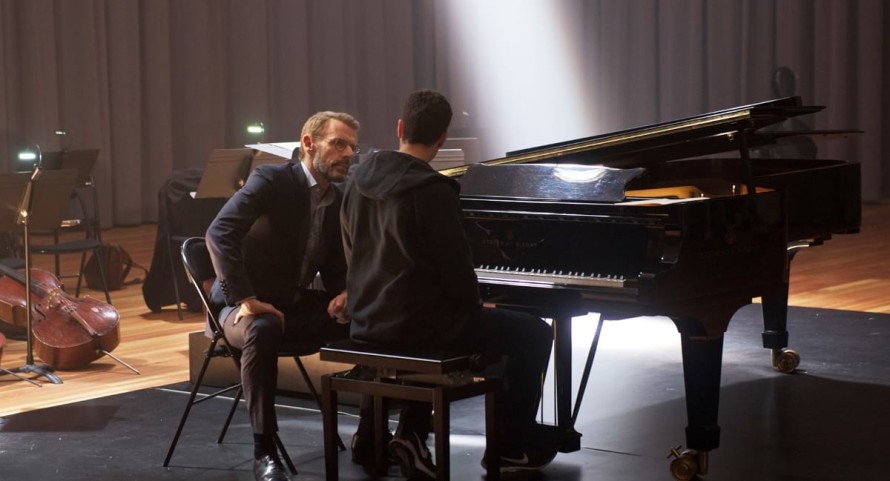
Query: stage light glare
point(27, 156)
point(256, 129)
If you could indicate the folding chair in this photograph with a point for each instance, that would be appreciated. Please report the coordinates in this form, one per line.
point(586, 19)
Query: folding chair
point(199, 269)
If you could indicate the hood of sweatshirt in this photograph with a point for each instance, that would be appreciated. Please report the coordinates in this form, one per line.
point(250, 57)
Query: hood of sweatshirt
point(387, 173)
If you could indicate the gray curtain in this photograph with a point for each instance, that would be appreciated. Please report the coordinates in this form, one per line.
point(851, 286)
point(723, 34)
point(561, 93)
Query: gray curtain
point(158, 84)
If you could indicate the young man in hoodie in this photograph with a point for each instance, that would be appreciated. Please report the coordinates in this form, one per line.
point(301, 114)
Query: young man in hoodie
point(411, 283)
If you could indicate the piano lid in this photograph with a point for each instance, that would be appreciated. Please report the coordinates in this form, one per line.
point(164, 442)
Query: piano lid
point(552, 182)
point(704, 134)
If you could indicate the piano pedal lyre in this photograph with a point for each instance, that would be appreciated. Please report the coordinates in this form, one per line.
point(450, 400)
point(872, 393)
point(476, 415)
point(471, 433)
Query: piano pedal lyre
point(688, 463)
point(785, 359)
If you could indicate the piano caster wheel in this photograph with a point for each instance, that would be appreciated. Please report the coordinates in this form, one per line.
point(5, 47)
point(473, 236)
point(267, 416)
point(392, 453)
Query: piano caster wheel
point(688, 463)
point(785, 360)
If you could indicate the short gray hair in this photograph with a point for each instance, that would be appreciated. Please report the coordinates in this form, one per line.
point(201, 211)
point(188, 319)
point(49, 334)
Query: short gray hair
point(315, 124)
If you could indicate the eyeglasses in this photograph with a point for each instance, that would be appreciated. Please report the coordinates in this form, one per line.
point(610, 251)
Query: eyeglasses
point(341, 145)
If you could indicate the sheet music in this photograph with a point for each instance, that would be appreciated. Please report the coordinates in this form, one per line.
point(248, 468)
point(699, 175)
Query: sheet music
point(281, 149)
point(662, 201)
point(447, 158)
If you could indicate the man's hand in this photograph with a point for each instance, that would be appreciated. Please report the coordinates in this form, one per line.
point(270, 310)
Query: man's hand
point(253, 306)
point(337, 309)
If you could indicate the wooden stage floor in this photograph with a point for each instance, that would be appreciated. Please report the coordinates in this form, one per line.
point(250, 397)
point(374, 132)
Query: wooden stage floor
point(849, 272)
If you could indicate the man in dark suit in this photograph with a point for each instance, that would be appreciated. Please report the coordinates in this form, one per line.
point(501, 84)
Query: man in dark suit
point(267, 244)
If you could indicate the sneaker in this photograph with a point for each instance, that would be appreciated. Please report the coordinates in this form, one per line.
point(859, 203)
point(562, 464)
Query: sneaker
point(527, 460)
point(363, 450)
point(414, 457)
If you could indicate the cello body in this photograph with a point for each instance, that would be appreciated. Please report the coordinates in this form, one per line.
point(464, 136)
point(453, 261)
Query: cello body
point(68, 332)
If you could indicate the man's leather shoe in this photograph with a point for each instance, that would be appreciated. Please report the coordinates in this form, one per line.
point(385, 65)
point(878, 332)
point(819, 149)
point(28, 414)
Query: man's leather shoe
point(269, 468)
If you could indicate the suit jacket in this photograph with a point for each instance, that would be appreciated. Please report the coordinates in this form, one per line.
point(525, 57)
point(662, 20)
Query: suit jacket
point(258, 240)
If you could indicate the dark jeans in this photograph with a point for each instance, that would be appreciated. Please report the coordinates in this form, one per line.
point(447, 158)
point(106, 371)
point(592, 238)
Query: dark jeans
point(525, 341)
point(259, 339)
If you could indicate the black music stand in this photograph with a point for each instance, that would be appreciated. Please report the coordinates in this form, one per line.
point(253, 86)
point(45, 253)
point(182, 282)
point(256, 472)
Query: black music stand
point(12, 189)
point(261, 158)
point(42, 205)
point(225, 173)
point(83, 161)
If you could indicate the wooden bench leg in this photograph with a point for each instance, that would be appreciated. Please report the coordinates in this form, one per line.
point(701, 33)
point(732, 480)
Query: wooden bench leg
point(442, 429)
point(329, 419)
point(381, 426)
point(492, 449)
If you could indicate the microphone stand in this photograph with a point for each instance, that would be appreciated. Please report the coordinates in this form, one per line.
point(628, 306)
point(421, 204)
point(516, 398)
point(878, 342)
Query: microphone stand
point(41, 370)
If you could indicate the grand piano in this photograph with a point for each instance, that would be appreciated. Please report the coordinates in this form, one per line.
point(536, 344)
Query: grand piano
point(649, 221)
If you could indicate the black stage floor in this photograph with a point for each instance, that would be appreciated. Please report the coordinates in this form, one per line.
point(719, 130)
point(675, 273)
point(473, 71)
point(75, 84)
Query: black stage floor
point(828, 422)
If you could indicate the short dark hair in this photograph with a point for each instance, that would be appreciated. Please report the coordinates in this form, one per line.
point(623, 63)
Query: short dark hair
point(426, 116)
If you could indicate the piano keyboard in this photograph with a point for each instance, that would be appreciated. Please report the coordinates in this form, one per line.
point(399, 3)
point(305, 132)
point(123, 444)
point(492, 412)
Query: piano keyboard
point(545, 278)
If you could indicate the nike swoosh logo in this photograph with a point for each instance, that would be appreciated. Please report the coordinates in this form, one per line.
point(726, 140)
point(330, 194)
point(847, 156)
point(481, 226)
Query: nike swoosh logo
point(522, 460)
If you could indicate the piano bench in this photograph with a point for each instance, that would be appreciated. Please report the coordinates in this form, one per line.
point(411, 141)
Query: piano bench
point(434, 376)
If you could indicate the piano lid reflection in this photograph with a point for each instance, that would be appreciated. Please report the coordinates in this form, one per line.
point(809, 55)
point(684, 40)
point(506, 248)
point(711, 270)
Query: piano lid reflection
point(645, 222)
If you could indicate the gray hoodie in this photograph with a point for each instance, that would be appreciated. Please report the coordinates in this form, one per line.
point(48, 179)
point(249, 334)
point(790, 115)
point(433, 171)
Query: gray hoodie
point(410, 277)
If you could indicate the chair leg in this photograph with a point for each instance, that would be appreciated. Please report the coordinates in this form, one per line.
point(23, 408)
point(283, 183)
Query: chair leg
point(56, 257)
point(101, 262)
point(287, 459)
point(83, 263)
point(173, 275)
point(314, 394)
point(235, 402)
point(191, 402)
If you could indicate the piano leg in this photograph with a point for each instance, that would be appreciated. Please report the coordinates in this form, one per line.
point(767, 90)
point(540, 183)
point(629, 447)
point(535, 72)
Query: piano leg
point(775, 322)
point(569, 439)
point(702, 363)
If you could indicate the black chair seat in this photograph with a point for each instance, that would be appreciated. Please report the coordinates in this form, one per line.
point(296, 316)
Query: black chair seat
point(69, 247)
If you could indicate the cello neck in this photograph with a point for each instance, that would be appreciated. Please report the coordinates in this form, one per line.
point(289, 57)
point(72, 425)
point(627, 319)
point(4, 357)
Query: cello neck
point(36, 288)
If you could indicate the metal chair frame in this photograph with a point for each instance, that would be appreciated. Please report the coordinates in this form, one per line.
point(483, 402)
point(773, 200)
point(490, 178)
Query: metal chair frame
point(196, 260)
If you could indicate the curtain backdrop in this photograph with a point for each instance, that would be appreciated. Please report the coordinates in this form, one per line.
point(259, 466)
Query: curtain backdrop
point(158, 84)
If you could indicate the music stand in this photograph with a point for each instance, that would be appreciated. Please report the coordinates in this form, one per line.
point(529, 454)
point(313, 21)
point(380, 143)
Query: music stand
point(48, 160)
point(224, 173)
point(42, 206)
point(83, 162)
point(261, 158)
point(12, 188)
point(448, 158)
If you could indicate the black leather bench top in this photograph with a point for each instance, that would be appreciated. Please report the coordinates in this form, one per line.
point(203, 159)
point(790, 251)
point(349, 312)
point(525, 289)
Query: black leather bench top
point(428, 361)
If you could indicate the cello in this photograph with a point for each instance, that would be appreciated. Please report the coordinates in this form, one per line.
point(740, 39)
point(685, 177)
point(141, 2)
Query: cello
point(68, 332)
